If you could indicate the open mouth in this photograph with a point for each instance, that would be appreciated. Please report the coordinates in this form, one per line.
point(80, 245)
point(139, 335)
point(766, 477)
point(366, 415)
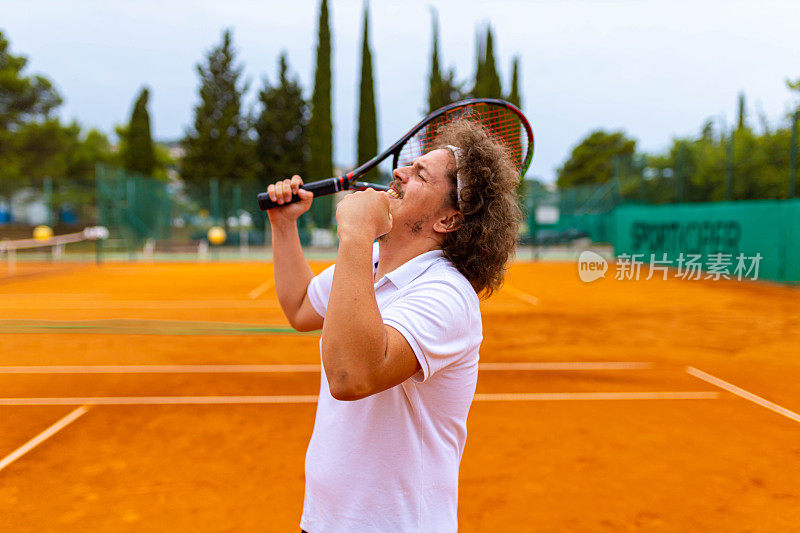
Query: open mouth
point(394, 192)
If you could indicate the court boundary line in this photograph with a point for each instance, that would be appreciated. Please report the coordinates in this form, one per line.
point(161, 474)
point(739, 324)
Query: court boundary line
point(520, 294)
point(290, 399)
point(742, 393)
point(43, 436)
point(300, 368)
point(261, 289)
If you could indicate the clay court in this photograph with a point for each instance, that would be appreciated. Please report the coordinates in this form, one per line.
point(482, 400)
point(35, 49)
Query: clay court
point(174, 397)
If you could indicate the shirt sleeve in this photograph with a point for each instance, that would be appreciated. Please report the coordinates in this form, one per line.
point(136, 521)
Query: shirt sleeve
point(438, 323)
point(319, 290)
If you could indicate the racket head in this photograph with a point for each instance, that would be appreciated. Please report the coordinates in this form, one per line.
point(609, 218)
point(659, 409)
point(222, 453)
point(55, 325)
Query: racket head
point(503, 122)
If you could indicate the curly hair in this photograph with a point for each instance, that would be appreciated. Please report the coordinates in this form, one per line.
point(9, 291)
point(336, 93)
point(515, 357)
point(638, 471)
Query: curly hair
point(482, 245)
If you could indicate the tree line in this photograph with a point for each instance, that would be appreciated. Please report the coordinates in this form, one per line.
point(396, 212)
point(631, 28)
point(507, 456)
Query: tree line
point(720, 162)
point(285, 134)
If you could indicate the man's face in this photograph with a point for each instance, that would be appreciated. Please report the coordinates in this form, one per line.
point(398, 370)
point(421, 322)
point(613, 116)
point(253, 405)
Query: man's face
point(422, 191)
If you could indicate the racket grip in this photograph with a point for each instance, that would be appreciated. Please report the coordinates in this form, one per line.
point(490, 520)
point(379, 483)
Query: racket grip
point(319, 188)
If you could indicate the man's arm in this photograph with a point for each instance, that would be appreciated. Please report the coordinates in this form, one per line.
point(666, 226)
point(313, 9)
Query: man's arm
point(292, 273)
point(361, 355)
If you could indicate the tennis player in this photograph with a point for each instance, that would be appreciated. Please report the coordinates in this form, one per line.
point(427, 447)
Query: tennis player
point(401, 328)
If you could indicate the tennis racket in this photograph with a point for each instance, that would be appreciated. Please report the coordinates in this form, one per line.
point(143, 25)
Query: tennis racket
point(503, 121)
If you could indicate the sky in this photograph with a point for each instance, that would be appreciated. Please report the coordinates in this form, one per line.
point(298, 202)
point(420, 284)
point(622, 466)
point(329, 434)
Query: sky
point(654, 69)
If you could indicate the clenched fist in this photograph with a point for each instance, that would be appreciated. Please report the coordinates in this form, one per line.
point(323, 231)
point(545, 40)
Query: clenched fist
point(281, 192)
point(364, 213)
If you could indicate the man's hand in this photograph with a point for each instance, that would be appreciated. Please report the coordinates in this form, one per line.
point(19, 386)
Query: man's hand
point(281, 192)
point(364, 213)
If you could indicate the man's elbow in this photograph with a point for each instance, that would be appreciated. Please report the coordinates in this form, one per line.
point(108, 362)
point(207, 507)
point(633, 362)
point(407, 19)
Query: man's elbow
point(301, 326)
point(303, 323)
point(346, 389)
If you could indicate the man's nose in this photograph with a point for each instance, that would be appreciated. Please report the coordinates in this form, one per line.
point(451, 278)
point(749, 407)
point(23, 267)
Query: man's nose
point(399, 175)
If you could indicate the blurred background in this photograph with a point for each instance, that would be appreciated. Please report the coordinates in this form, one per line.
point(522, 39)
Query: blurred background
point(150, 380)
point(162, 120)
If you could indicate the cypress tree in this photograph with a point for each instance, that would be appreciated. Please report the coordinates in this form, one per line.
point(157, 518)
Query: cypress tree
point(493, 88)
point(435, 99)
point(513, 96)
point(320, 127)
point(742, 119)
point(442, 89)
point(138, 152)
point(478, 90)
point(218, 146)
point(487, 80)
point(367, 121)
point(282, 143)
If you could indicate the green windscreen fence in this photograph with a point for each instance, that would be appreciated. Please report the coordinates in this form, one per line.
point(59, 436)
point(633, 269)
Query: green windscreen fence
point(168, 215)
point(769, 229)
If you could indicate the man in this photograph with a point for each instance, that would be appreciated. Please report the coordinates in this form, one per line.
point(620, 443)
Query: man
point(401, 328)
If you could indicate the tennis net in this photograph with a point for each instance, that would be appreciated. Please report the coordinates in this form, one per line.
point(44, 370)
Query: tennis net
point(26, 256)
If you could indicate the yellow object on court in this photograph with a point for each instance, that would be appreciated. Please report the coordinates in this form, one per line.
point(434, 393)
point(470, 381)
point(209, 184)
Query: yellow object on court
point(217, 235)
point(42, 233)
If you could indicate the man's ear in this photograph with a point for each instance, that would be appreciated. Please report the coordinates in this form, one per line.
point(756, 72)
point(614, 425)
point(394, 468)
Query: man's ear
point(450, 222)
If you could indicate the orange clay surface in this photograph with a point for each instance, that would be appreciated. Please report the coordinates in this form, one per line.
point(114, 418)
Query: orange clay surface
point(718, 462)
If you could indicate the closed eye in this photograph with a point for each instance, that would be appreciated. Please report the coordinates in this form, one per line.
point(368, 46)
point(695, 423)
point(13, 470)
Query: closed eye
point(419, 173)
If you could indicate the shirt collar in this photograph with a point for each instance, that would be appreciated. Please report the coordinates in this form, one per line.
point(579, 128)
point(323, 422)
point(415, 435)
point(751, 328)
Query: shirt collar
point(411, 269)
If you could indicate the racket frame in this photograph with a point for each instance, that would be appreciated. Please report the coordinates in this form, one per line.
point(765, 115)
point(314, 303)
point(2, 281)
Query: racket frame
point(348, 181)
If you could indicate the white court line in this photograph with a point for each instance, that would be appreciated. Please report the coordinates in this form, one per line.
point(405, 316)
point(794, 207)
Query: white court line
point(743, 393)
point(599, 365)
point(157, 369)
point(146, 304)
point(159, 400)
point(549, 396)
point(233, 369)
point(41, 437)
point(520, 295)
point(261, 289)
point(213, 400)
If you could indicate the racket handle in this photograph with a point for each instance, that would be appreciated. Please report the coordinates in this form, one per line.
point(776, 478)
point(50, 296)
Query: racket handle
point(319, 188)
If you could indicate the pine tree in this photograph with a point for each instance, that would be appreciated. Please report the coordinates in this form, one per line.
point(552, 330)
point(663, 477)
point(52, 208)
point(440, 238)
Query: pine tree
point(138, 154)
point(23, 99)
point(367, 120)
point(320, 127)
point(217, 146)
point(282, 144)
point(28, 136)
point(442, 89)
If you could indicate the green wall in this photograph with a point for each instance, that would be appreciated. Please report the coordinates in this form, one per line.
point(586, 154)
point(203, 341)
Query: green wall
point(768, 227)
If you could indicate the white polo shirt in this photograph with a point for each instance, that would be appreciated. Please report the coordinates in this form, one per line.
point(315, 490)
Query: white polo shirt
point(389, 462)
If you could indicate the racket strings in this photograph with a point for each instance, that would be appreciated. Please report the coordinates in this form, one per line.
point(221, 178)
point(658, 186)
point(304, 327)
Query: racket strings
point(500, 123)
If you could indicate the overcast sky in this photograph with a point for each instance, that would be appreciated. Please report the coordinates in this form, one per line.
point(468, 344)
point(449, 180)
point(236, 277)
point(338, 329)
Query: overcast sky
point(656, 69)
